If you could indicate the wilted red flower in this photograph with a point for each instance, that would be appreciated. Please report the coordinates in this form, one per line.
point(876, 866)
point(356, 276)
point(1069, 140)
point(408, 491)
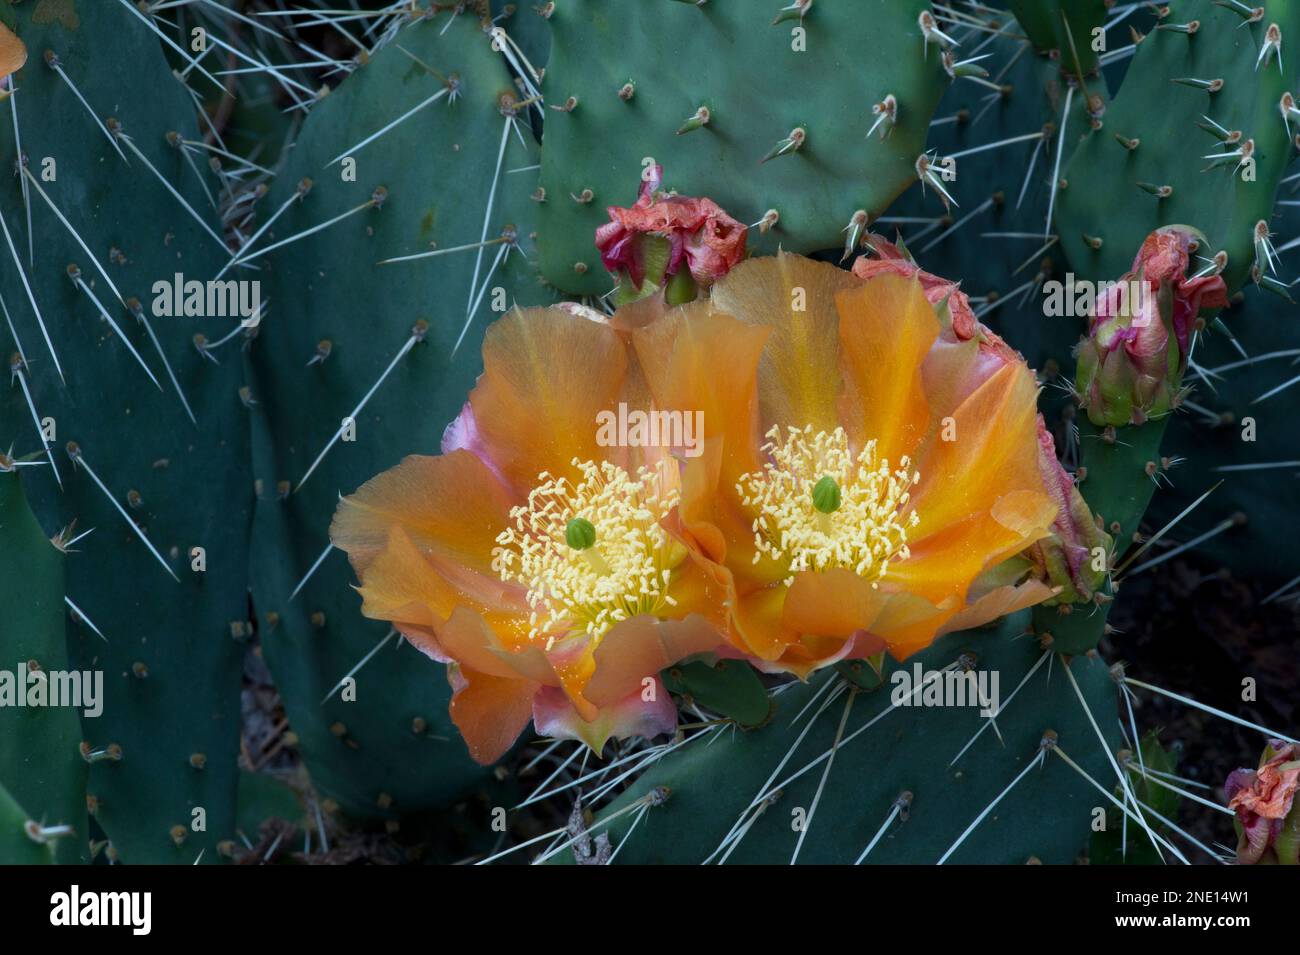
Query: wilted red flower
point(1263, 798)
point(699, 233)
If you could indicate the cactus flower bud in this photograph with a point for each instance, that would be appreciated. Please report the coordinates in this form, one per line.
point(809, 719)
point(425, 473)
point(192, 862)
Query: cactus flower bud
point(1268, 823)
point(1131, 364)
point(662, 232)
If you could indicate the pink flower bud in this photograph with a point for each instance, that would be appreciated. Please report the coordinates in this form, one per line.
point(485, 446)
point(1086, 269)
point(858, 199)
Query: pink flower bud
point(1131, 366)
point(1163, 258)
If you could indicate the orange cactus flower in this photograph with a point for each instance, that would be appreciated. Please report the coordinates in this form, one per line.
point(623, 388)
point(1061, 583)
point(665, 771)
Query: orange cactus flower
point(536, 563)
point(869, 470)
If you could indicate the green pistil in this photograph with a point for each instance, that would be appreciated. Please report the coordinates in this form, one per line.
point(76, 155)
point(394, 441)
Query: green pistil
point(826, 495)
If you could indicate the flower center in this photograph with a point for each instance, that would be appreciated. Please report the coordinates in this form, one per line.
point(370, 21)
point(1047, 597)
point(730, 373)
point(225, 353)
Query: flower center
point(591, 553)
point(821, 506)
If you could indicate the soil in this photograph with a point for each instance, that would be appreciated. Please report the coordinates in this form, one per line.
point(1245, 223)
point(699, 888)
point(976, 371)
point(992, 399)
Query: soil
point(1197, 631)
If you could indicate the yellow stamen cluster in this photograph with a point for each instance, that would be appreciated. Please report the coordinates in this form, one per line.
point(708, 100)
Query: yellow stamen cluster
point(863, 534)
point(625, 572)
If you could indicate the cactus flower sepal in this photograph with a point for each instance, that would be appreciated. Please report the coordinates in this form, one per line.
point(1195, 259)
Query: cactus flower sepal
point(1074, 556)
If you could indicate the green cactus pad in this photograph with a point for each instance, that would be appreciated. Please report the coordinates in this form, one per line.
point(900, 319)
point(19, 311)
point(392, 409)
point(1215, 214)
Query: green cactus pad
point(1258, 476)
point(730, 688)
point(1109, 186)
point(1000, 248)
point(1115, 479)
point(39, 757)
point(171, 669)
point(1064, 30)
point(1045, 816)
point(1155, 154)
point(17, 847)
point(670, 59)
point(528, 30)
point(263, 797)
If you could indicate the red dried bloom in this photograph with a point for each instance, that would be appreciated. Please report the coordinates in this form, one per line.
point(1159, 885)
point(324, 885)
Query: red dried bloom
point(699, 233)
point(1262, 799)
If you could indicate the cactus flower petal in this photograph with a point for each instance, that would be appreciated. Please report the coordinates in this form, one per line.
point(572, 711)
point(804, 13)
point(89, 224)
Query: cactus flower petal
point(998, 601)
point(554, 715)
point(13, 52)
point(546, 375)
point(489, 711)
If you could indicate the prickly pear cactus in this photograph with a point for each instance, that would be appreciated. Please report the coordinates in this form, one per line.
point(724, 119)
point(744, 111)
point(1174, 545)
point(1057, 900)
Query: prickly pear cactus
point(1215, 146)
point(249, 259)
point(1219, 69)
